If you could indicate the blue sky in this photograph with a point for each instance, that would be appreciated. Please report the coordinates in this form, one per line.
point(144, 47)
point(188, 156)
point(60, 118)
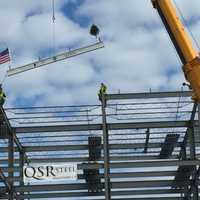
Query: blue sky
point(138, 54)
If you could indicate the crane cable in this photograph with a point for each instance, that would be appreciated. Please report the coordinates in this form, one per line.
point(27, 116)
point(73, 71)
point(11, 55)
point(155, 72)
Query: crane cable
point(53, 23)
point(54, 36)
point(187, 26)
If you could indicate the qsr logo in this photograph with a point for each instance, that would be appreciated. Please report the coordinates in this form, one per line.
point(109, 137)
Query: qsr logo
point(48, 172)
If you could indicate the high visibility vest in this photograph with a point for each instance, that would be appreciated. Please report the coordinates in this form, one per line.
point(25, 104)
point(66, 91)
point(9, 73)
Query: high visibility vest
point(103, 89)
point(2, 95)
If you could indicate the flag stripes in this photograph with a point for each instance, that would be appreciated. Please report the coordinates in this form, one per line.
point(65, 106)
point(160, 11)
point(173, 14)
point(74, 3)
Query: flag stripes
point(4, 56)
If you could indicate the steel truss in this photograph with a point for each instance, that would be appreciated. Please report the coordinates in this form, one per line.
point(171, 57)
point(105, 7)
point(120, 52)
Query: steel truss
point(135, 128)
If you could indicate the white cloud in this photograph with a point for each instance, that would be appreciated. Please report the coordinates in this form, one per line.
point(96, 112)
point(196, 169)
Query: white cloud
point(140, 51)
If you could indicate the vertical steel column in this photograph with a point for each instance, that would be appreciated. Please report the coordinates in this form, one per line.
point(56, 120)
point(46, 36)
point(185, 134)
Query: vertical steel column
point(183, 154)
point(195, 190)
point(21, 165)
point(147, 140)
point(106, 150)
point(11, 164)
point(194, 184)
point(192, 142)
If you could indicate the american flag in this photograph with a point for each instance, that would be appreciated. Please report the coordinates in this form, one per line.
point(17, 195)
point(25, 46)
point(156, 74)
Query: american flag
point(4, 56)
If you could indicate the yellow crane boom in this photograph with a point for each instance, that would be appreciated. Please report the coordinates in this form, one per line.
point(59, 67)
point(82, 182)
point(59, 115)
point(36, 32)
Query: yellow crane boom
point(182, 42)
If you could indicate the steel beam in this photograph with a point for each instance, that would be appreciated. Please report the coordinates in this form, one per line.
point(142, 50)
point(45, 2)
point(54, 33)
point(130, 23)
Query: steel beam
point(85, 147)
point(84, 159)
point(12, 132)
point(21, 166)
point(192, 143)
point(11, 165)
point(192, 123)
point(5, 181)
point(127, 175)
point(146, 174)
point(196, 182)
point(59, 128)
point(141, 164)
point(106, 150)
point(148, 95)
point(11, 129)
point(183, 155)
point(168, 146)
point(110, 126)
point(194, 186)
point(61, 195)
point(97, 195)
point(147, 140)
point(132, 164)
point(59, 57)
point(83, 186)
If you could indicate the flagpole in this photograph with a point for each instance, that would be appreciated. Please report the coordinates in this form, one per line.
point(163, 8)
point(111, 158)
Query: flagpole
point(9, 64)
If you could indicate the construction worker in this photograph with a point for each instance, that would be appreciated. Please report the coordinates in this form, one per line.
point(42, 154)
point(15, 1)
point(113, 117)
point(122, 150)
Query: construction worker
point(102, 90)
point(2, 96)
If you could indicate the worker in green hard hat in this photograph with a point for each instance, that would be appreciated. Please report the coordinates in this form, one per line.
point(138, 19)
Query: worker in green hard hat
point(102, 90)
point(2, 96)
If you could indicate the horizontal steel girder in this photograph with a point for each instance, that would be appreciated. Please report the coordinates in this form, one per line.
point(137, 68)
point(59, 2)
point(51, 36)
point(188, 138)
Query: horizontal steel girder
point(83, 159)
point(148, 95)
point(158, 163)
point(115, 193)
point(111, 126)
point(137, 164)
point(84, 147)
point(128, 175)
point(83, 186)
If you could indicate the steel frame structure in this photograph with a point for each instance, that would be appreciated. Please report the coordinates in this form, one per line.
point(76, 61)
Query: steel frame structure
point(133, 128)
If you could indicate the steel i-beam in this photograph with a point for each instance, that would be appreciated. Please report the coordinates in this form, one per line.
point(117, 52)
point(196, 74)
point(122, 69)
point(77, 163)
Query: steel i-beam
point(106, 150)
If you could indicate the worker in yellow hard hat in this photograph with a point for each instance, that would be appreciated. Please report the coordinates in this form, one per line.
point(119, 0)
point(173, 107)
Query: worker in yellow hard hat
point(2, 96)
point(102, 91)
